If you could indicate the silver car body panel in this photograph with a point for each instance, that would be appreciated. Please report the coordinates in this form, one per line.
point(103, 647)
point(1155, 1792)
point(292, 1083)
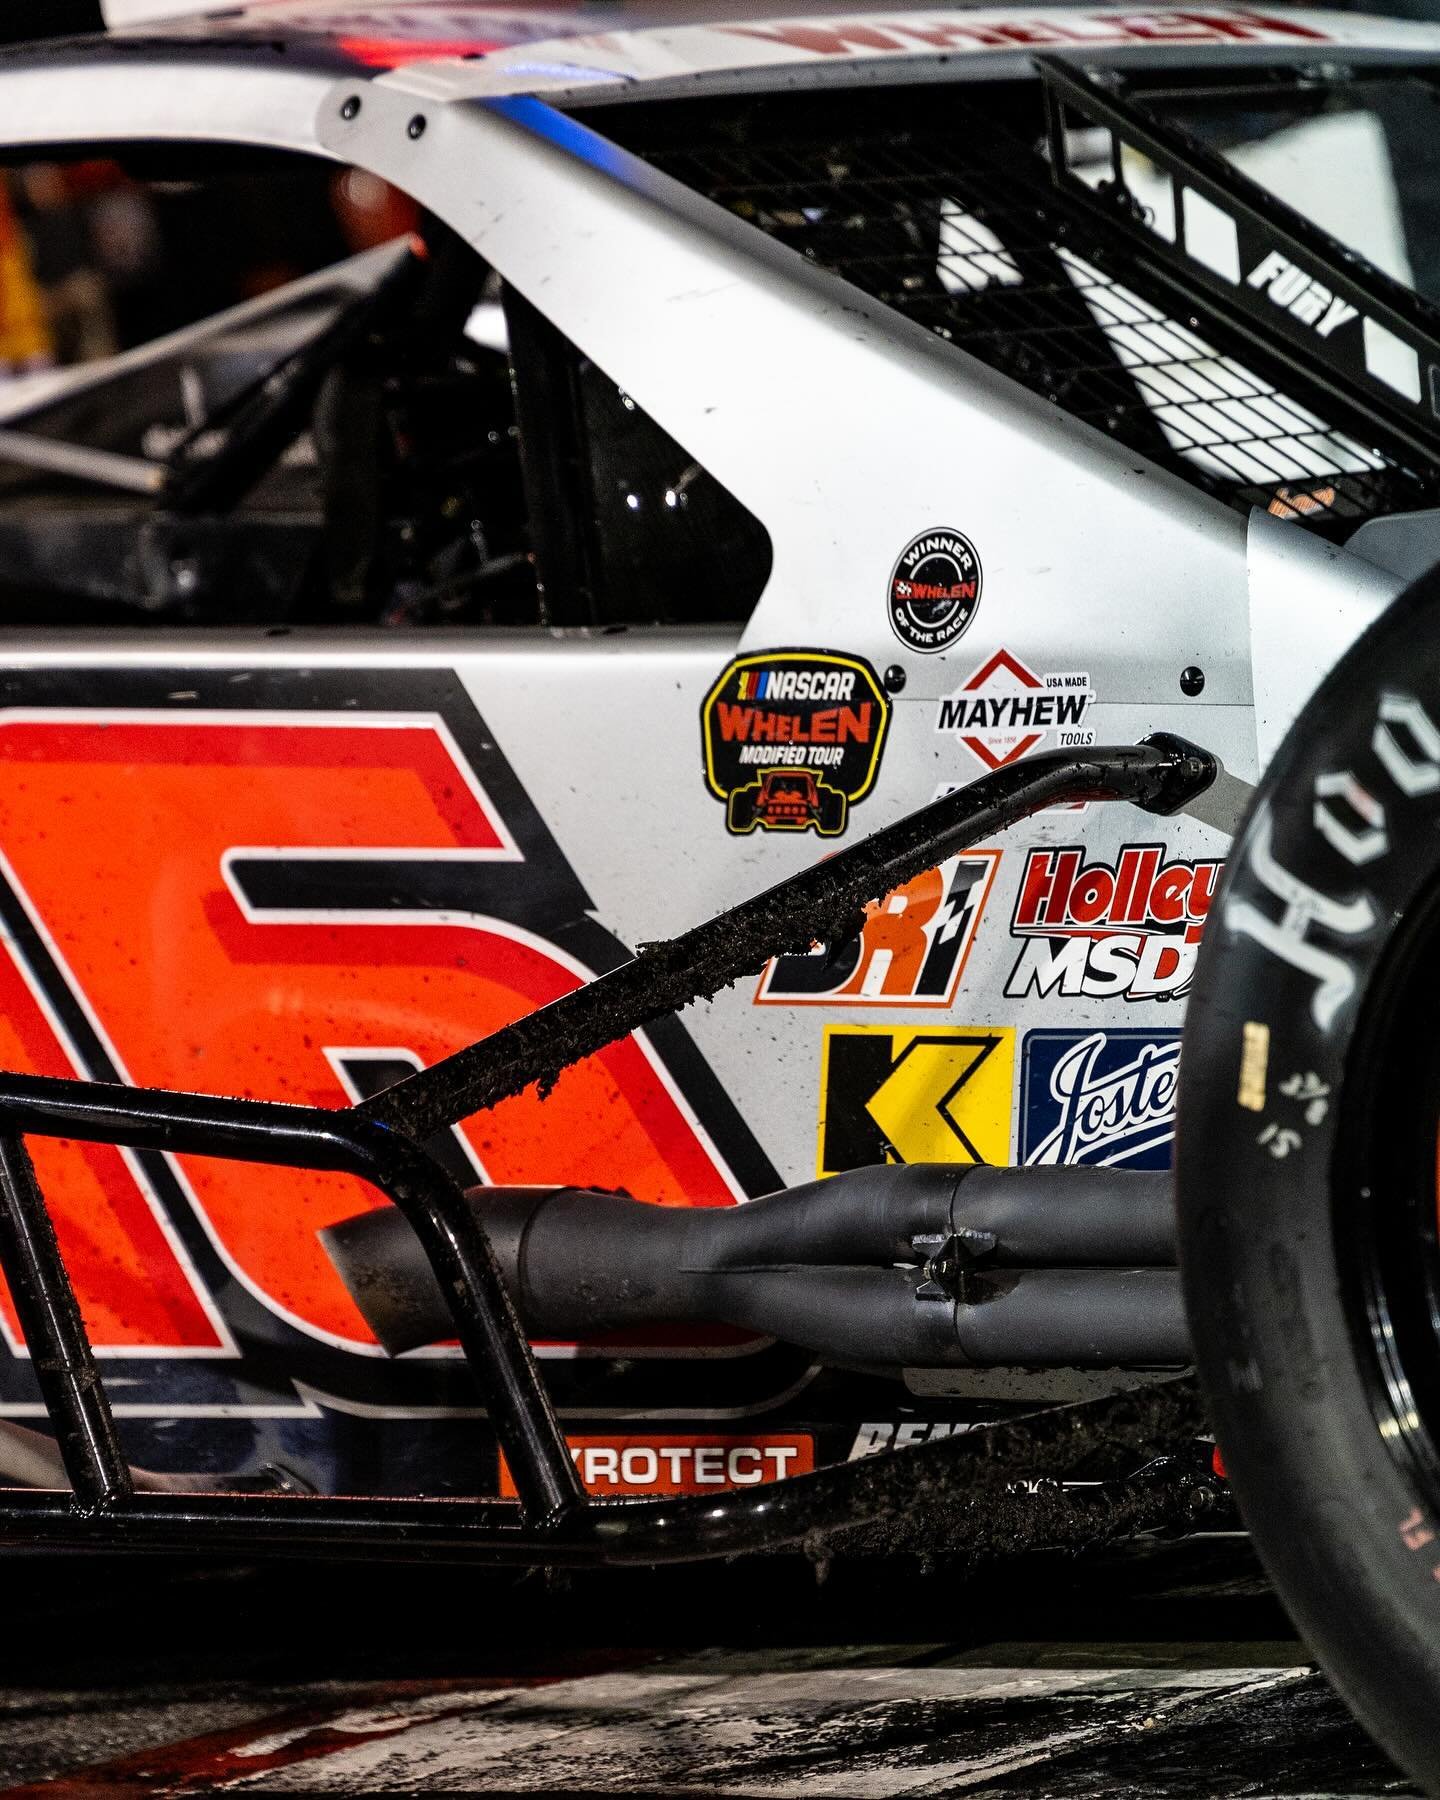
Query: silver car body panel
point(845, 429)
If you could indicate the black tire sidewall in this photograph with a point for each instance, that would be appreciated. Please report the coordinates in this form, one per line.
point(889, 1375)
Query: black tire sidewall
point(1341, 1522)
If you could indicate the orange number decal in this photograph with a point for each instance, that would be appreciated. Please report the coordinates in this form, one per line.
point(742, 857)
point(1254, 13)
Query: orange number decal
point(153, 852)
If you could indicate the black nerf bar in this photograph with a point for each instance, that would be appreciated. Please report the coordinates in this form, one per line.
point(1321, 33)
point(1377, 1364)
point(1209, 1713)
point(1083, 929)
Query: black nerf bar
point(820, 904)
point(924, 1266)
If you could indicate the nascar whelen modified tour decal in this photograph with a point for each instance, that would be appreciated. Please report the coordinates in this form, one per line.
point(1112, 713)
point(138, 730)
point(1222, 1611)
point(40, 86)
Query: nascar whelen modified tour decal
point(1003, 710)
point(793, 739)
point(1105, 930)
point(1099, 1097)
point(298, 885)
point(934, 590)
point(910, 951)
point(915, 1095)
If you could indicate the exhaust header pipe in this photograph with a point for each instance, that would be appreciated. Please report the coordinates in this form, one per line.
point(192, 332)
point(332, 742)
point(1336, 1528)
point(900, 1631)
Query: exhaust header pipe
point(922, 1266)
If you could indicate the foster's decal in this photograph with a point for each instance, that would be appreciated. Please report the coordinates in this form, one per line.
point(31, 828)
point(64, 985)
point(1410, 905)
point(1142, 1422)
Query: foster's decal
point(1103, 931)
point(1099, 1097)
point(911, 950)
point(793, 739)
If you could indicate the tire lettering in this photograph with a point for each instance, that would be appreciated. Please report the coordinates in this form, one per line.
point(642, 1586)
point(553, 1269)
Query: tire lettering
point(1357, 847)
point(1305, 908)
point(1412, 775)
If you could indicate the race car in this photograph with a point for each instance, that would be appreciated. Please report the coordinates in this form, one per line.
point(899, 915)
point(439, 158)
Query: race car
point(610, 803)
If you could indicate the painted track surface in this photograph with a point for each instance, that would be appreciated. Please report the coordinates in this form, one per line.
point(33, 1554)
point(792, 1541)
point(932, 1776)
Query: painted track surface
point(1164, 1671)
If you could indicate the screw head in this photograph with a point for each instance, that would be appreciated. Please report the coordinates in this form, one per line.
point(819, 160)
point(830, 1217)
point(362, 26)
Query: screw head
point(416, 127)
point(351, 107)
point(894, 679)
point(1192, 681)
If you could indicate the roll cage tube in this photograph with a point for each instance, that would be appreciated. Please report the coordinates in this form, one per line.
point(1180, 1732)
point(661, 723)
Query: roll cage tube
point(379, 1142)
point(1368, 342)
point(258, 424)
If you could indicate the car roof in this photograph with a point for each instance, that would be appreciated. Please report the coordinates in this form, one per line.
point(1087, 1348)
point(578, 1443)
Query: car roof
point(547, 45)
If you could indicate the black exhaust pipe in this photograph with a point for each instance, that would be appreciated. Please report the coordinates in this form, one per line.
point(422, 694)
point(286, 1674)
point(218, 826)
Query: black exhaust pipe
point(920, 1266)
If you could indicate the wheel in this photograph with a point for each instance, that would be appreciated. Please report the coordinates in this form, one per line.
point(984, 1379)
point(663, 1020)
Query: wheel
point(1307, 1175)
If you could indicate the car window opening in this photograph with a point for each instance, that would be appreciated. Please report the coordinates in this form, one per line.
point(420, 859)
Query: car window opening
point(388, 439)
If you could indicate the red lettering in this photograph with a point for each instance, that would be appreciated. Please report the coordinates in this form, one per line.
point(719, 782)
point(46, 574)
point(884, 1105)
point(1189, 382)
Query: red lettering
point(1245, 26)
point(1147, 865)
point(854, 723)
point(823, 726)
point(1091, 895)
point(735, 722)
point(1202, 889)
point(1169, 894)
point(819, 40)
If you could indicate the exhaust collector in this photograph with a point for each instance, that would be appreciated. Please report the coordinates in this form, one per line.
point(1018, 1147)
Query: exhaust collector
point(891, 1267)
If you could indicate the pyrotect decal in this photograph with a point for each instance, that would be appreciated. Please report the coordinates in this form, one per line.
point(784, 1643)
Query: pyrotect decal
point(934, 590)
point(1099, 1097)
point(682, 1465)
point(911, 949)
point(915, 1095)
point(1003, 710)
point(1103, 930)
point(793, 739)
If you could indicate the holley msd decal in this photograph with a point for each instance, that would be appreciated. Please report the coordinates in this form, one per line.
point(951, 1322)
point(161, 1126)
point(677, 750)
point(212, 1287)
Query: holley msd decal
point(1102, 930)
point(793, 739)
point(1003, 710)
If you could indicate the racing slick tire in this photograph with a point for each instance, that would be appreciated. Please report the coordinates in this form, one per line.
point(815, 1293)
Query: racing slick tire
point(1307, 1175)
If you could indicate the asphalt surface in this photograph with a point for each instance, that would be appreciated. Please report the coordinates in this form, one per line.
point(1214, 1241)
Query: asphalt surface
point(1164, 1670)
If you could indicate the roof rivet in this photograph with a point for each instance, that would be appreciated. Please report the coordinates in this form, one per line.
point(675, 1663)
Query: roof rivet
point(416, 127)
point(351, 107)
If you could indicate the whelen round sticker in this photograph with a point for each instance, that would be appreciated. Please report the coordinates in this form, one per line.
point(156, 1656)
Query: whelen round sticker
point(793, 739)
point(934, 590)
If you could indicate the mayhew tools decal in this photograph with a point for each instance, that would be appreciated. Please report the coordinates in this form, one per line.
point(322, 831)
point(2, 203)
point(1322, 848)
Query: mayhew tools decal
point(793, 739)
point(1099, 1097)
point(1003, 710)
point(910, 951)
point(934, 590)
point(914, 1095)
point(1103, 930)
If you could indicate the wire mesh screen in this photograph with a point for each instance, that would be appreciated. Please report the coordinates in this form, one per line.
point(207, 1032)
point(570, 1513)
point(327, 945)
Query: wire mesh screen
point(938, 201)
